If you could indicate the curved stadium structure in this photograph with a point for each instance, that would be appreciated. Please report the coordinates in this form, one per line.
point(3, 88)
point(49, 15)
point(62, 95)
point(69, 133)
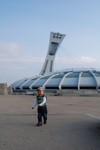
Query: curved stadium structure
point(62, 80)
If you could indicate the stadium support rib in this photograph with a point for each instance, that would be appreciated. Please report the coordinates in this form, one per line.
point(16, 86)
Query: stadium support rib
point(54, 43)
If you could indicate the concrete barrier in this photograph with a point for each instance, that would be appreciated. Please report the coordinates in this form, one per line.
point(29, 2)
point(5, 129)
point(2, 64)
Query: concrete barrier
point(3, 89)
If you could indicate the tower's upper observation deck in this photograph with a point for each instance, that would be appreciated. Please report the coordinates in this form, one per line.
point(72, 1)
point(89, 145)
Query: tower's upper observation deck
point(54, 43)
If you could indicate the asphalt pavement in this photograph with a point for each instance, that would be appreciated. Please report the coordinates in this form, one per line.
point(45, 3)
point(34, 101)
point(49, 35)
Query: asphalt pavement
point(73, 124)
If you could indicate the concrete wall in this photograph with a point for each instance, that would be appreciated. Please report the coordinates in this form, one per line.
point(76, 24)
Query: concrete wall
point(9, 89)
point(4, 90)
point(73, 93)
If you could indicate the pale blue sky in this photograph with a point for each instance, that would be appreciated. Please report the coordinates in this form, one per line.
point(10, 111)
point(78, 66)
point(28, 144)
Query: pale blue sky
point(25, 27)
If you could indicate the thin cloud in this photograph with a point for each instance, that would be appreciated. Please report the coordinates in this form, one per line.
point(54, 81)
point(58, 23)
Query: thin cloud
point(10, 49)
point(82, 61)
point(14, 52)
point(87, 59)
point(17, 63)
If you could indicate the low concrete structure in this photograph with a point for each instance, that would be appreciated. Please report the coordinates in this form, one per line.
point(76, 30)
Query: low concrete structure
point(9, 89)
point(4, 89)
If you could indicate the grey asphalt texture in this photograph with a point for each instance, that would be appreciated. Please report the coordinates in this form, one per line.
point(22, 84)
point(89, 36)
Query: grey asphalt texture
point(73, 124)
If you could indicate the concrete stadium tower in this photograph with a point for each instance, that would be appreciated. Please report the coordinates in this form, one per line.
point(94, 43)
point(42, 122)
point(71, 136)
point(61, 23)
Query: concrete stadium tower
point(54, 43)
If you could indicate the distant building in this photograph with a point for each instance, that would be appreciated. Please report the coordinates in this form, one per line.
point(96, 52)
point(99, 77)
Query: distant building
point(88, 79)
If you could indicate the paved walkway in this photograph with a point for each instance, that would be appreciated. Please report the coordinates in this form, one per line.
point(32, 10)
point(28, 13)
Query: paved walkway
point(73, 124)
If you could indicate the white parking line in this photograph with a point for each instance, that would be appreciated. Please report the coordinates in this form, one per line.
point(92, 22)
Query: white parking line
point(94, 116)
